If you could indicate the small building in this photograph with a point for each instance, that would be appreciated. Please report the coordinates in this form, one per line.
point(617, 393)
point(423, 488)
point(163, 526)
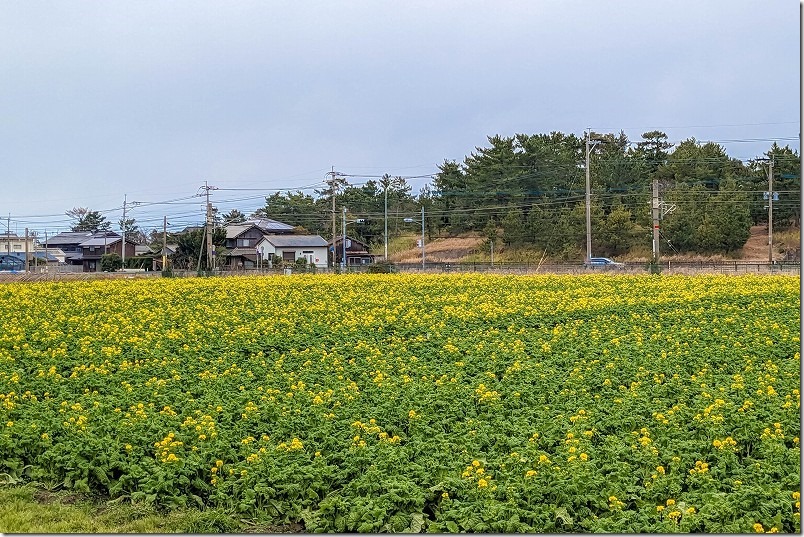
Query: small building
point(357, 252)
point(288, 248)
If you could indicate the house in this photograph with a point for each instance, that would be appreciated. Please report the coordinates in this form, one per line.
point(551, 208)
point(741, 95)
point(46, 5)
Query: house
point(69, 242)
point(288, 248)
point(85, 248)
point(242, 242)
point(104, 242)
point(357, 252)
point(10, 242)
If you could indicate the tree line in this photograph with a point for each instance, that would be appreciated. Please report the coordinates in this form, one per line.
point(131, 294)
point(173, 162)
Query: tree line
point(528, 191)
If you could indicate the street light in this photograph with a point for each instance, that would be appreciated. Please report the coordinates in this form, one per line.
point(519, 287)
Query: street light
point(343, 228)
point(411, 220)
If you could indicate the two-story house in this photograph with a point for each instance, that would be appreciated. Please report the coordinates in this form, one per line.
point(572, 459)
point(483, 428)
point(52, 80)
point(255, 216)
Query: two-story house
point(357, 252)
point(101, 243)
point(10, 242)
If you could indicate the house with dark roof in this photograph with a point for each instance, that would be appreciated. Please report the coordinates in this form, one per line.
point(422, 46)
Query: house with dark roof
point(357, 252)
point(108, 242)
point(69, 242)
point(85, 248)
point(266, 242)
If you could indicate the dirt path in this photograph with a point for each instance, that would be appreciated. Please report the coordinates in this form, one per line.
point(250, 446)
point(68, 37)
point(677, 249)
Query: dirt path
point(756, 247)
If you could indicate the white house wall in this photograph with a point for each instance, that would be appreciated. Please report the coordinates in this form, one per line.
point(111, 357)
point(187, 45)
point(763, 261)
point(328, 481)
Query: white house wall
point(319, 252)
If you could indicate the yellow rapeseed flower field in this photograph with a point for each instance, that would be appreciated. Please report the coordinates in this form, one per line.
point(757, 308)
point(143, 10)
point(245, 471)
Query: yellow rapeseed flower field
point(439, 402)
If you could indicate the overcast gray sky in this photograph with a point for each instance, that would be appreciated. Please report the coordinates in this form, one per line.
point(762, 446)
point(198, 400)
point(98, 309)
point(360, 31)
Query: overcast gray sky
point(149, 99)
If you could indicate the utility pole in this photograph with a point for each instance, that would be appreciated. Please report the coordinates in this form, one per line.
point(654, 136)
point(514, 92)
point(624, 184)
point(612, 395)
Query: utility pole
point(8, 233)
point(590, 143)
point(588, 204)
point(208, 227)
point(386, 219)
point(26, 250)
point(656, 214)
point(770, 211)
point(491, 242)
point(343, 228)
point(47, 268)
point(123, 249)
point(164, 243)
point(422, 235)
point(332, 185)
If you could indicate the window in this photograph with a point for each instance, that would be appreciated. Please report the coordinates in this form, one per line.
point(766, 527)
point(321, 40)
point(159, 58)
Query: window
point(18, 246)
point(244, 243)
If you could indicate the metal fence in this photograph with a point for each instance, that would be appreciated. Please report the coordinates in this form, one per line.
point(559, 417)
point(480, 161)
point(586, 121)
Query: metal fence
point(664, 267)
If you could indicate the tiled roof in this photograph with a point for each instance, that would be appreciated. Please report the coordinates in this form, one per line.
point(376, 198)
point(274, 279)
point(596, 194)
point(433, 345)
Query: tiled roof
point(100, 241)
point(233, 230)
point(296, 241)
point(69, 237)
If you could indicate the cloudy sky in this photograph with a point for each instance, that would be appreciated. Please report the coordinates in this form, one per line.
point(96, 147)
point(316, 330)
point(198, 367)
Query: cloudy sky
point(150, 99)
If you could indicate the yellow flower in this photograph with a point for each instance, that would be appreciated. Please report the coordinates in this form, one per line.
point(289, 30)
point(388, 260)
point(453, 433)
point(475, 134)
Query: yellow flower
point(445, 495)
point(660, 508)
point(758, 528)
point(670, 502)
point(482, 483)
point(530, 473)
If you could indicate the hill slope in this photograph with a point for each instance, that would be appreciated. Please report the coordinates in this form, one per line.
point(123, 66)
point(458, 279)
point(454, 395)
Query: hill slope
point(474, 248)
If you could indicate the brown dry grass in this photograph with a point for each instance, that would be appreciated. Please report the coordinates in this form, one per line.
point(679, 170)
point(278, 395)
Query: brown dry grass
point(466, 247)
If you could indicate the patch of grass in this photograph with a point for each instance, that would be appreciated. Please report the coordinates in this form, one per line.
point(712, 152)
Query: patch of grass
point(24, 509)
